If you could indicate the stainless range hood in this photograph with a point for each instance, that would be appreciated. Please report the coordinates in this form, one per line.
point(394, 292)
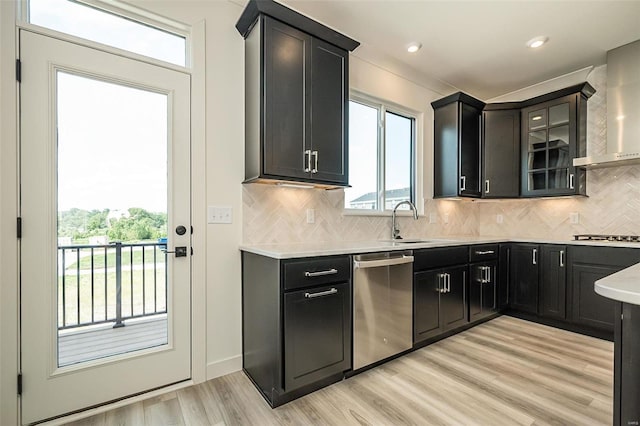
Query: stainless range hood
point(623, 110)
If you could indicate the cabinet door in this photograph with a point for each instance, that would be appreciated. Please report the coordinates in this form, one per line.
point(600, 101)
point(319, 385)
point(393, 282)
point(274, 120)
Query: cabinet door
point(469, 150)
point(446, 128)
point(453, 303)
point(549, 145)
point(588, 307)
point(317, 334)
point(553, 282)
point(501, 154)
point(523, 278)
point(502, 280)
point(427, 289)
point(490, 289)
point(477, 276)
point(329, 94)
point(286, 82)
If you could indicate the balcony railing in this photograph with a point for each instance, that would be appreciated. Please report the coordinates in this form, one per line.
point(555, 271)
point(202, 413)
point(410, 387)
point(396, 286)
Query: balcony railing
point(110, 283)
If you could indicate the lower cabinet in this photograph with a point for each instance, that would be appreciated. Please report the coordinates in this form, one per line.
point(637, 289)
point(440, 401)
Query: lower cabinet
point(439, 294)
point(523, 278)
point(296, 323)
point(587, 265)
point(553, 282)
point(482, 290)
point(626, 376)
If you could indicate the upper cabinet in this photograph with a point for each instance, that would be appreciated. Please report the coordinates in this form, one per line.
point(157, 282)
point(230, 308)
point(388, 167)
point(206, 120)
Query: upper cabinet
point(501, 151)
point(553, 134)
point(296, 97)
point(457, 149)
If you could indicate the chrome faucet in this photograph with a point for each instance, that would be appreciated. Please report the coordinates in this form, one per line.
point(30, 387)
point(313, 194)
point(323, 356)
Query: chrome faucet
point(395, 231)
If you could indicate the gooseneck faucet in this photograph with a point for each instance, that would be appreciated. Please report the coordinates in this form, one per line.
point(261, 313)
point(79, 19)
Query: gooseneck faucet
point(395, 231)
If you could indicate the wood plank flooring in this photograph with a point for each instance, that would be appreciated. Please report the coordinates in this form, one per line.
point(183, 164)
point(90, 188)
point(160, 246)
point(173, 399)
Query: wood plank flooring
point(504, 372)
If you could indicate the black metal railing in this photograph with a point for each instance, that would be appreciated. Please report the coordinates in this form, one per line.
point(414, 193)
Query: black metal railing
point(110, 283)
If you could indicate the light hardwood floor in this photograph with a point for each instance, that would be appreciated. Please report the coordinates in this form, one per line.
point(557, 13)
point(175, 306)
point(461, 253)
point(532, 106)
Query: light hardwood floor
point(504, 372)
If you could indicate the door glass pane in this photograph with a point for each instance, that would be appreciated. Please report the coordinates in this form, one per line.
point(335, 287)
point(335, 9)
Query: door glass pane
point(559, 157)
point(112, 218)
point(538, 119)
point(537, 140)
point(559, 179)
point(559, 136)
point(559, 114)
point(537, 180)
point(537, 160)
point(97, 25)
point(398, 167)
point(363, 158)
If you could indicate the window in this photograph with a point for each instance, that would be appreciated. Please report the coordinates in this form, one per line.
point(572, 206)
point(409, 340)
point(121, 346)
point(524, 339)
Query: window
point(381, 157)
point(85, 21)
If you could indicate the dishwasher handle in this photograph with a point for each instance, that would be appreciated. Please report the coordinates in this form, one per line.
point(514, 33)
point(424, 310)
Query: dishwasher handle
point(362, 264)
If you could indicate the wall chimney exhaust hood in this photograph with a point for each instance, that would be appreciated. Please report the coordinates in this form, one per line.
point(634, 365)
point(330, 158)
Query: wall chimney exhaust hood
point(623, 110)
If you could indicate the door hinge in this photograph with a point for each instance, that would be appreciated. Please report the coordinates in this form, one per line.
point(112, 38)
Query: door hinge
point(19, 70)
point(191, 251)
point(19, 227)
point(19, 384)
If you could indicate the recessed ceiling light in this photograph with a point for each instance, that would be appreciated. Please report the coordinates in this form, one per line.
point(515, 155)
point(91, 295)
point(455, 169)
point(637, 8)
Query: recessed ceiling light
point(537, 117)
point(414, 47)
point(537, 41)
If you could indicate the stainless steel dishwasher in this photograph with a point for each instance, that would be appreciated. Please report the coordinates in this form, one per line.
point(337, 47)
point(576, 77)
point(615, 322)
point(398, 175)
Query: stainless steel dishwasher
point(382, 306)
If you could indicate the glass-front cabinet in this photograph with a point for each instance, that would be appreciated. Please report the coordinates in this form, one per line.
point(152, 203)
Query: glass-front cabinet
point(553, 134)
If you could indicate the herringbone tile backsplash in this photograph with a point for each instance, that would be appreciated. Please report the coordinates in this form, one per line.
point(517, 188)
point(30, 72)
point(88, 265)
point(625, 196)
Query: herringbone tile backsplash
point(278, 215)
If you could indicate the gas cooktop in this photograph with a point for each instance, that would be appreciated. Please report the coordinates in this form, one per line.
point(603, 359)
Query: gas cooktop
point(601, 237)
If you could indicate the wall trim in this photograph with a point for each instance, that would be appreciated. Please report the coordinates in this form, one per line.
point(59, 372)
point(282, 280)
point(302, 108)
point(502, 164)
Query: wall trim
point(224, 367)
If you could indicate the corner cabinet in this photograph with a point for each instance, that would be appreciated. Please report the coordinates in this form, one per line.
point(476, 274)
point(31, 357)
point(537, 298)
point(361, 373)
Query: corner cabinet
point(500, 152)
point(457, 148)
point(553, 134)
point(296, 99)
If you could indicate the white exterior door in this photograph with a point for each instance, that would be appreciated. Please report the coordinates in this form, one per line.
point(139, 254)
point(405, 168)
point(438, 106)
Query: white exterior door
point(105, 192)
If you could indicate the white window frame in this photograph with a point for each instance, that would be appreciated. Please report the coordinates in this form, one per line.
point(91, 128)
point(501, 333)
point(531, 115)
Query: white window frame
point(126, 11)
point(384, 106)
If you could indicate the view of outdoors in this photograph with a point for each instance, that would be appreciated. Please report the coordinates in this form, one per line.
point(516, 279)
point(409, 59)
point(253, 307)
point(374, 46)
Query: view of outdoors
point(364, 166)
point(112, 204)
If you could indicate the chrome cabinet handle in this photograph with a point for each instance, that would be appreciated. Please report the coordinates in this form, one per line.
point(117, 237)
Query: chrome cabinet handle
point(441, 285)
point(448, 281)
point(562, 258)
point(463, 183)
point(331, 271)
point(315, 163)
point(488, 274)
point(486, 186)
point(484, 275)
point(321, 293)
point(571, 183)
point(307, 160)
point(485, 252)
point(535, 256)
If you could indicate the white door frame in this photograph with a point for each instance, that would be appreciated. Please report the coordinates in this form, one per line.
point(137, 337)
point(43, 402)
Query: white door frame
point(9, 210)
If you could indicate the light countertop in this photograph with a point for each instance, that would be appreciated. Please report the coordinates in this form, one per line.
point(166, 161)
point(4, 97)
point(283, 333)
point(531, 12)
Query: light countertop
point(297, 250)
point(623, 286)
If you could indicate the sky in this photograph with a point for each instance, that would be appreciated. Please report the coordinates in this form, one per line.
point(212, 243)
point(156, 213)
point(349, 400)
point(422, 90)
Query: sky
point(112, 139)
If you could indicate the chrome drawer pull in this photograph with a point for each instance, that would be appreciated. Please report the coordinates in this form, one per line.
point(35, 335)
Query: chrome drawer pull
point(307, 157)
point(331, 271)
point(321, 293)
point(485, 252)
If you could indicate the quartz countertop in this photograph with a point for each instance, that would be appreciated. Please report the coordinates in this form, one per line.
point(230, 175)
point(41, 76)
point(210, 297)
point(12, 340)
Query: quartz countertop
point(328, 248)
point(623, 286)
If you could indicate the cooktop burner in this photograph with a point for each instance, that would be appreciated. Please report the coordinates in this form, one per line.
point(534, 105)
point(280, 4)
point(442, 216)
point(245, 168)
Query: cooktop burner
point(599, 237)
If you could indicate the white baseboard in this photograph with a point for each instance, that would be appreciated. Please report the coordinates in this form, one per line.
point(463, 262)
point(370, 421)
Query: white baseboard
point(224, 366)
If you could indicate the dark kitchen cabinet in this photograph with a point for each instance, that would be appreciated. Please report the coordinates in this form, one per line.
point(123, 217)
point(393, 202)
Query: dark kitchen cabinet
point(553, 134)
point(500, 152)
point(457, 146)
point(296, 328)
point(626, 377)
point(523, 278)
point(504, 270)
point(483, 279)
point(439, 293)
point(296, 98)
point(587, 265)
point(553, 281)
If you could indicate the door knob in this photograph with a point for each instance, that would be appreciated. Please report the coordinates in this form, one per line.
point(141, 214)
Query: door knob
point(181, 230)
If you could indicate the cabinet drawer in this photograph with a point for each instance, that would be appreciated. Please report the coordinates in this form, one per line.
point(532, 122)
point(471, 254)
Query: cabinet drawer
point(483, 252)
point(440, 257)
point(308, 272)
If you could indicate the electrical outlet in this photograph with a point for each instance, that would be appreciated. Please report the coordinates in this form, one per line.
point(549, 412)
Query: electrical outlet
point(499, 218)
point(433, 218)
point(574, 217)
point(445, 218)
point(219, 214)
point(311, 216)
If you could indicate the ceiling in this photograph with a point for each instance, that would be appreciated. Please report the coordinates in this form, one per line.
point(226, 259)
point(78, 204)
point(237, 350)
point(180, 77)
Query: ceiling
point(479, 47)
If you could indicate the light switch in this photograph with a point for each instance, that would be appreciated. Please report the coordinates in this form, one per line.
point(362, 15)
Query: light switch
point(219, 214)
point(499, 218)
point(574, 217)
point(311, 216)
point(433, 218)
